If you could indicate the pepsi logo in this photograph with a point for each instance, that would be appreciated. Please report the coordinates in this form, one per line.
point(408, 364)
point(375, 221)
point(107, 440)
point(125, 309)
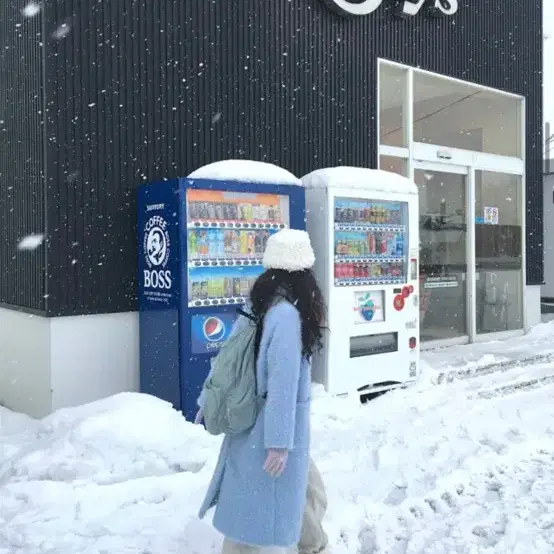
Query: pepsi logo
point(214, 329)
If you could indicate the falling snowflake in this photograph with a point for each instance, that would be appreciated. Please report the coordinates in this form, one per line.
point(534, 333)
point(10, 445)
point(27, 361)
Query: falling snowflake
point(31, 9)
point(216, 118)
point(30, 242)
point(62, 31)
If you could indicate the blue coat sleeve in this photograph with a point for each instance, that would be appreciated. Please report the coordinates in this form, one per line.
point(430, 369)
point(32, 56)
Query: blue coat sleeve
point(284, 358)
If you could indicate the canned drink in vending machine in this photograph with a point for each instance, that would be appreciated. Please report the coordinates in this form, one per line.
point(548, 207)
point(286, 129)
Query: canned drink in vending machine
point(236, 286)
point(194, 290)
point(212, 243)
point(243, 243)
point(202, 246)
point(211, 287)
point(236, 242)
point(220, 243)
point(251, 243)
point(228, 288)
point(227, 243)
point(203, 294)
point(193, 244)
point(383, 244)
point(258, 244)
point(345, 271)
point(243, 286)
point(193, 210)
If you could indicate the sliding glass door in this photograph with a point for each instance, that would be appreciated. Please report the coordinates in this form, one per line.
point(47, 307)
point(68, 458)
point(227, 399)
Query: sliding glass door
point(498, 252)
point(443, 253)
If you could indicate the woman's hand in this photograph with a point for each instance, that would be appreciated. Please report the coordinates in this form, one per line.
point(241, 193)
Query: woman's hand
point(199, 417)
point(276, 461)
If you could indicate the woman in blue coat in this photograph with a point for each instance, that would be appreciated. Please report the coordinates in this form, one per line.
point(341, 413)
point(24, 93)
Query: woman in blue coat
point(259, 484)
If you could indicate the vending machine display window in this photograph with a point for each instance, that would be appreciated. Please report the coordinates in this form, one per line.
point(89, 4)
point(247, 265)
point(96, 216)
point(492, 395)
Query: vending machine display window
point(226, 236)
point(370, 242)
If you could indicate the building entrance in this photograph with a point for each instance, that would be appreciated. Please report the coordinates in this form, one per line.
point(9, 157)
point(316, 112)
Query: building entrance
point(463, 145)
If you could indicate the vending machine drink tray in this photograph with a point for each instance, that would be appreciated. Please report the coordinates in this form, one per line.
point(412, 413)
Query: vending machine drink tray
point(370, 345)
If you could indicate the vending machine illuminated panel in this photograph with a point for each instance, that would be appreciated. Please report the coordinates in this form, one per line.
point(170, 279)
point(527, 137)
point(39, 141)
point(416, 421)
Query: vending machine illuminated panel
point(371, 242)
point(226, 237)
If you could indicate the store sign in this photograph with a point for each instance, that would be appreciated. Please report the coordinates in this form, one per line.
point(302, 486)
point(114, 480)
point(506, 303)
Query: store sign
point(157, 248)
point(406, 7)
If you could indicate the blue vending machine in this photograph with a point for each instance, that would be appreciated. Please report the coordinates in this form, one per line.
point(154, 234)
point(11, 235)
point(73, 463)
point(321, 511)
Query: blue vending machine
point(200, 249)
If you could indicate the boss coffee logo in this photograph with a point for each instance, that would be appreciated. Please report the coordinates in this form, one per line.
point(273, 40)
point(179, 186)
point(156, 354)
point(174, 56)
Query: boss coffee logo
point(405, 7)
point(156, 247)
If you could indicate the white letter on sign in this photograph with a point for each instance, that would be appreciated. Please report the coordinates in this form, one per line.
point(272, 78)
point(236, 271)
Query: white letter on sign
point(447, 7)
point(365, 7)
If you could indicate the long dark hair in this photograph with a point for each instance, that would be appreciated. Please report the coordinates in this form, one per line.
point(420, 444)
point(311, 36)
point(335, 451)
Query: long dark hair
point(301, 289)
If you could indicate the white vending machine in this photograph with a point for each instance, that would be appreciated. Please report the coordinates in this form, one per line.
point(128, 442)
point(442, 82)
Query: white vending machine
point(364, 228)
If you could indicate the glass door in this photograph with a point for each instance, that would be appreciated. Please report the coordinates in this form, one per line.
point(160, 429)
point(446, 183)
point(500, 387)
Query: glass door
point(498, 252)
point(443, 251)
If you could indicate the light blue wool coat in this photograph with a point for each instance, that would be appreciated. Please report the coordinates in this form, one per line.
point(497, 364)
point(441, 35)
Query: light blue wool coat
point(252, 507)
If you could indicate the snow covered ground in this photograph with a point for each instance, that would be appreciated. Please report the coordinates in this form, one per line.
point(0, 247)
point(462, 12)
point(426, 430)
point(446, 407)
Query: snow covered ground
point(466, 467)
point(536, 346)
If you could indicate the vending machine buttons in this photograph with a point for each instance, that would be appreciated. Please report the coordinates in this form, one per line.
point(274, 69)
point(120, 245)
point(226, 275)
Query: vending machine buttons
point(398, 303)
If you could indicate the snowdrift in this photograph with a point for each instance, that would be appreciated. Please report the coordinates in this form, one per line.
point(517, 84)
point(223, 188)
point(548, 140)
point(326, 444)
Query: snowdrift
point(426, 471)
point(123, 437)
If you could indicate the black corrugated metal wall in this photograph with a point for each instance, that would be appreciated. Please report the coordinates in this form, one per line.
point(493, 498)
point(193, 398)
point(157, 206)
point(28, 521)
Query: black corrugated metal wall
point(22, 160)
point(148, 89)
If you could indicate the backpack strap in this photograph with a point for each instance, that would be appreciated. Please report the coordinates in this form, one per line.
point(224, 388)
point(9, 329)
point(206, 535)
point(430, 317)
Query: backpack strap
point(247, 315)
point(257, 339)
point(259, 328)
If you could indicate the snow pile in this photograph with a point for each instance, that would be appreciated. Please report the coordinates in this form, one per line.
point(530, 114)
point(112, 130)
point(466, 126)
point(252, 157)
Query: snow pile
point(420, 471)
point(446, 363)
point(246, 171)
point(16, 430)
point(359, 178)
point(123, 437)
point(429, 472)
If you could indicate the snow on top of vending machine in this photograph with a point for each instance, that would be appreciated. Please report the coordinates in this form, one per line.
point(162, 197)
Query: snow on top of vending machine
point(246, 171)
point(359, 178)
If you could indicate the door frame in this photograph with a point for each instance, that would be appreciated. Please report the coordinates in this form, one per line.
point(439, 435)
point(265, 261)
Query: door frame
point(471, 319)
point(471, 274)
point(504, 335)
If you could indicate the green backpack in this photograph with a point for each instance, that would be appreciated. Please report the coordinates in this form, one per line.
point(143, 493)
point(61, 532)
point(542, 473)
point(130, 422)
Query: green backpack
point(231, 400)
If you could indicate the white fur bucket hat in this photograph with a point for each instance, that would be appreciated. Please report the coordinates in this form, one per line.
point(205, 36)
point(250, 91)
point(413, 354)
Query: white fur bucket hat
point(289, 249)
